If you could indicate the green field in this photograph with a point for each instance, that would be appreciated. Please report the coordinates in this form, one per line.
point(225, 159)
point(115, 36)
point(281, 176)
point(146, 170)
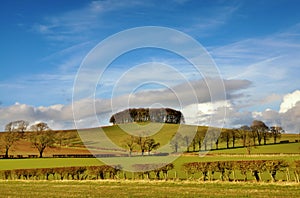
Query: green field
point(163, 133)
point(179, 183)
point(177, 172)
point(145, 189)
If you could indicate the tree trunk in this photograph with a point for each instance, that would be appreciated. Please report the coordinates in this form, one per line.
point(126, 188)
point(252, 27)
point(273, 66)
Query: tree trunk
point(143, 152)
point(259, 140)
point(6, 153)
point(41, 152)
point(265, 139)
point(233, 142)
point(194, 146)
point(256, 175)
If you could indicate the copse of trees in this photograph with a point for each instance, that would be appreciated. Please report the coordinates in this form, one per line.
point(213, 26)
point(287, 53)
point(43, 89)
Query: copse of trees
point(140, 143)
point(260, 130)
point(161, 115)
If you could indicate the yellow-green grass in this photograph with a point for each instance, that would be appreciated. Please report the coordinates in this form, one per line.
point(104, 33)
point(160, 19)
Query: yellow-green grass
point(145, 189)
point(163, 133)
point(9, 164)
point(177, 172)
point(284, 148)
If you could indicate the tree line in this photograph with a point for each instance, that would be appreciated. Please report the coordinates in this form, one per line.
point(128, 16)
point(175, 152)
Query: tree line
point(208, 138)
point(40, 135)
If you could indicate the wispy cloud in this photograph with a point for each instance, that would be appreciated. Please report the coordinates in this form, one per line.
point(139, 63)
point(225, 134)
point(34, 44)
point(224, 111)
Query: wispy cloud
point(78, 25)
point(270, 62)
point(206, 24)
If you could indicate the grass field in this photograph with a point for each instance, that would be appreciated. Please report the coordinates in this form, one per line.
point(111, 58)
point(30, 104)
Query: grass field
point(177, 172)
point(9, 164)
point(145, 189)
point(162, 133)
point(179, 184)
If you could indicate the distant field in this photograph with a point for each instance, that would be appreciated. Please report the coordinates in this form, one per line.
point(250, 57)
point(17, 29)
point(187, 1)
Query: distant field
point(288, 148)
point(162, 133)
point(145, 189)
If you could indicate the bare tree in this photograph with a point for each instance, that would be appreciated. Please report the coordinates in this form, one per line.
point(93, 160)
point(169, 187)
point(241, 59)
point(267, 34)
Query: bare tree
point(276, 132)
point(14, 132)
point(213, 136)
point(244, 131)
point(41, 137)
point(261, 130)
point(151, 145)
point(141, 141)
point(187, 141)
point(234, 136)
point(249, 143)
point(130, 143)
point(199, 136)
point(226, 136)
point(176, 142)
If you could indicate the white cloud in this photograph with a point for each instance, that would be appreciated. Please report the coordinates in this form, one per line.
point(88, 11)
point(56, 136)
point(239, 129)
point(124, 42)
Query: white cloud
point(289, 101)
point(236, 117)
point(61, 116)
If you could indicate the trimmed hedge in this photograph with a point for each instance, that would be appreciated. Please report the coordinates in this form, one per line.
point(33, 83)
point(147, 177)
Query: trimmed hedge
point(61, 173)
point(227, 169)
point(156, 169)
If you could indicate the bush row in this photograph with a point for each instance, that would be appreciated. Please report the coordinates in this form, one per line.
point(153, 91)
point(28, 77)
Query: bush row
point(146, 170)
point(85, 172)
point(205, 170)
point(74, 173)
point(227, 169)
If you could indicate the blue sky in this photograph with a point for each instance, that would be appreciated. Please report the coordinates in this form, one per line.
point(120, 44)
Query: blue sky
point(255, 45)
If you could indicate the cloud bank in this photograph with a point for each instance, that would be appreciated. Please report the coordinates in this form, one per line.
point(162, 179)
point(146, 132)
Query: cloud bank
point(60, 116)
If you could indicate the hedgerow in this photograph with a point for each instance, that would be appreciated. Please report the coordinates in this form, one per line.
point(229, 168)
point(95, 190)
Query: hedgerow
point(203, 170)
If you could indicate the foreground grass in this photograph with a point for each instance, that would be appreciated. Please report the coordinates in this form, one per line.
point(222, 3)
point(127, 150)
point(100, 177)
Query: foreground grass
point(145, 189)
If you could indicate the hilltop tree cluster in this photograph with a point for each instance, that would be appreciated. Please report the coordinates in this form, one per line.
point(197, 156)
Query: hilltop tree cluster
point(161, 115)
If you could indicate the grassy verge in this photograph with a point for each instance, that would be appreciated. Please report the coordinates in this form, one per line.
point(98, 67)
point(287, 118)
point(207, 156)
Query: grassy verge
point(145, 189)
